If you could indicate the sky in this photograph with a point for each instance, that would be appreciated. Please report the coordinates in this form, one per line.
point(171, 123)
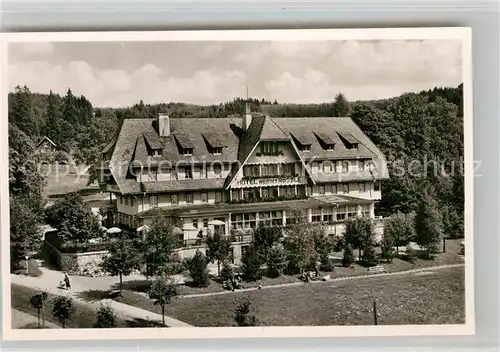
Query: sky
point(114, 74)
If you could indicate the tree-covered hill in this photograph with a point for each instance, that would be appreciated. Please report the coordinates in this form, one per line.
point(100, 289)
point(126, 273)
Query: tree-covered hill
point(413, 130)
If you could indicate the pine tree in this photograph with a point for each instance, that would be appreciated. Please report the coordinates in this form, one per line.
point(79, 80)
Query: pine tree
point(348, 258)
point(428, 224)
point(197, 267)
point(276, 260)
point(250, 264)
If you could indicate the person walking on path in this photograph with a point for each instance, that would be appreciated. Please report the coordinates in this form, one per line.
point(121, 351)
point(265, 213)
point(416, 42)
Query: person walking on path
point(66, 281)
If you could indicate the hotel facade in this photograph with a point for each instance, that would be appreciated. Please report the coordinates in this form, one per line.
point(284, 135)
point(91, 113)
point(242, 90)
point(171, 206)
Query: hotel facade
point(231, 175)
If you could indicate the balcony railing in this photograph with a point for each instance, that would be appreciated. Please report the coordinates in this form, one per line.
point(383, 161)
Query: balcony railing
point(196, 242)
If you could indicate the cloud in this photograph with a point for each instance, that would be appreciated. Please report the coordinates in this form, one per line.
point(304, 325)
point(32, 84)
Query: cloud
point(213, 72)
point(33, 49)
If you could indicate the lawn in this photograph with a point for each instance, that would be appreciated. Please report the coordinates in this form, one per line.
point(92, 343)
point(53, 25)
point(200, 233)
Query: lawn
point(414, 298)
point(63, 180)
point(451, 256)
point(84, 317)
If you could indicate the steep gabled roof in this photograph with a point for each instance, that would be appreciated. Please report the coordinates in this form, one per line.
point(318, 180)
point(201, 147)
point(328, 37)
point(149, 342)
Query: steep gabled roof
point(272, 132)
point(45, 138)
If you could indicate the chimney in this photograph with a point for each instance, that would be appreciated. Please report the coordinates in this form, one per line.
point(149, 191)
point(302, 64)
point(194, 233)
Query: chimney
point(163, 125)
point(247, 119)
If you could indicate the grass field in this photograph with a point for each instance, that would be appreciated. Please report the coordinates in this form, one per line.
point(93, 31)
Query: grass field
point(430, 298)
point(84, 317)
point(451, 256)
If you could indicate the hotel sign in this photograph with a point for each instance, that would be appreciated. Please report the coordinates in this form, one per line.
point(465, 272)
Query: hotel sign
point(269, 181)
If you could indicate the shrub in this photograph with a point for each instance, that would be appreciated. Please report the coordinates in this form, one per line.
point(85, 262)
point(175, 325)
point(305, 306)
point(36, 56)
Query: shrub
point(198, 269)
point(106, 317)
point(243, 315)
point(369, 257)
point(176, 268)
point(348, 258)
point(250, 265)
point(411, 255)
point(227, 272)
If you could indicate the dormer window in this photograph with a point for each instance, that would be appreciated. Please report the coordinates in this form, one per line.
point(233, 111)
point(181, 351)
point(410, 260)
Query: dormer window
point(350, 142)
point(217, 151)
point(187, 151)
point(325, 141)
point(305, 148)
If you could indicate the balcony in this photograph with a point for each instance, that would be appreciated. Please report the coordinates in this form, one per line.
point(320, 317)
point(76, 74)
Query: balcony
point(198, 242)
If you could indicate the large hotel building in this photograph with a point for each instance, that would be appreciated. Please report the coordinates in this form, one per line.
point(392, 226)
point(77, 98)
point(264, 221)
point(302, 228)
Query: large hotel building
point(234, 174)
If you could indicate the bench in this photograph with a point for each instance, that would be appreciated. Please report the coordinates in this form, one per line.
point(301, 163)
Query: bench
point(376, 269)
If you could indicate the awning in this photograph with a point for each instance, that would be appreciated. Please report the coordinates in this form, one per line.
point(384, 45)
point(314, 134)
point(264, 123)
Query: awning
point(216, 222)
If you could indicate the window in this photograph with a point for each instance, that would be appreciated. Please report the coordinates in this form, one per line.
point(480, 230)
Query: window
point(308, 190)
point(251, 171)
point(365, 210)
point(333, 188)
point(218, 196)
point(277, 218)
point(153, 201)
point(174, 198)
point(269, 148)
point(132, 201)
point(235, 193)
point(195, 223)
point(202, 171)
point(265, 192)
point(189, 197)
point(288, 169)
point(217, 151)
point(345, 166)
point(187, 151)
point(305, 148)
point(377, 186)
point(249, 220)
point(205, 223)
point(265, 218)
point(327, 167)
point(361, 165)
point(341, 213)
point(345, 188)
point(362, 187)
point(121, 199)
point(237, 220)
point(217, 170)
point(327, 214)
point(188, 172)
point(316, 215)
point(174, 175)
point(352, 211)
point(126, 200)
point(204, 197)
point(330, 147)
point(321, 189)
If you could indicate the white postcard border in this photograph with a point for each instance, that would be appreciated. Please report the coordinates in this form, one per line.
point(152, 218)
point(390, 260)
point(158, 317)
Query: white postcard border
point(442, 33)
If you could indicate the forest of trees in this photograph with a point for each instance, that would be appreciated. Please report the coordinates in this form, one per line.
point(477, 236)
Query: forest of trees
point(411, 129)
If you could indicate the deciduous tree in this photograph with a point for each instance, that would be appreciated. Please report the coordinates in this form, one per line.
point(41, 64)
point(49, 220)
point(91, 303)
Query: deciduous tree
point(428, 223)
point(121, 261)
point(63, 309)
point(219, 249)
point(106, 318)
point(163, 290)
point(38, 302)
